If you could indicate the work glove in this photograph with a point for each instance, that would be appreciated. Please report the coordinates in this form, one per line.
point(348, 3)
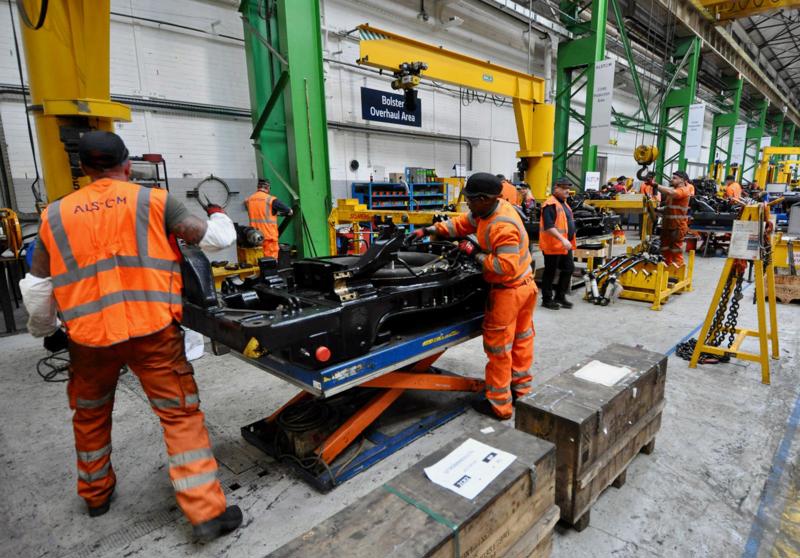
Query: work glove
point(213, 208)
point(57, 341)
point(417, 235)
point(469, 248)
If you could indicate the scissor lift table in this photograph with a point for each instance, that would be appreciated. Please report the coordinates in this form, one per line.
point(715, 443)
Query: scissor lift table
point(362, 389)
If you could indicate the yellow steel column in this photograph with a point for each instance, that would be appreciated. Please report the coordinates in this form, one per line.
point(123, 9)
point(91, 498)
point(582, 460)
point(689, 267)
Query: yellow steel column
point(68, 71)
point(763, 352)
point(712, 308)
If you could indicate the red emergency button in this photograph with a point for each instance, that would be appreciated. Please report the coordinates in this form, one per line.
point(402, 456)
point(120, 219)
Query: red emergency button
point(323, 354)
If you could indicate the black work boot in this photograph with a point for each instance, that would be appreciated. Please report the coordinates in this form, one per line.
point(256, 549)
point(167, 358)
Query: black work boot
point(223, 524)
point(563, 302)
point(485, 408)
point(102, 509)
point(550, 303)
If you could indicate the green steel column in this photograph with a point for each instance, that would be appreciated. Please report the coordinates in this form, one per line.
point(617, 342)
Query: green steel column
point(754, 135)
point(726, 121)
point(777, 139)
point(578, 56)
point(737, 102)
point(283, 45)
point(790, 136)
point(678, 97)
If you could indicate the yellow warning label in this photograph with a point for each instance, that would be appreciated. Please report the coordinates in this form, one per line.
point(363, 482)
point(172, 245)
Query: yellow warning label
point(441, 337)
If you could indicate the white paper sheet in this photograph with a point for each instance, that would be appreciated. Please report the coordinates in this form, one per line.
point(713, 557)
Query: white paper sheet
point(602, 373)
point(469, 468)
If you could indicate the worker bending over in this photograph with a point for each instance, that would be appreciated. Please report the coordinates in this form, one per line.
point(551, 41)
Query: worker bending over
point(104, 262)
point(675, 219)
point(508, 191)
point(557, 241)
point(502, 252)
point(649, 187)
point(263, 209)
point(733, 190)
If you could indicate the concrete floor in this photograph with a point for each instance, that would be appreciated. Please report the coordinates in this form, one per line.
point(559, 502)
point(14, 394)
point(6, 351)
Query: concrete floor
point(723, 480)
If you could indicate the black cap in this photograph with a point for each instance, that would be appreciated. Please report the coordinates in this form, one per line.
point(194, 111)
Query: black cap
point(101, 150)
point(264, 182)
point(650, 174)
point(623, 177)
point(501, 176)
point(730, 177)
point(563, 181)
point(483, 184)
point(681, 174)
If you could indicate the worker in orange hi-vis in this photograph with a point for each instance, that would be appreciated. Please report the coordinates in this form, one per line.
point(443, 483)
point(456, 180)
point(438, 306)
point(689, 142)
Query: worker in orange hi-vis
point(508, 191)
point(675, 219)
point(502, 252)
point(649, 187)
point(733, 190)
point(103, 260)
point(263, 209)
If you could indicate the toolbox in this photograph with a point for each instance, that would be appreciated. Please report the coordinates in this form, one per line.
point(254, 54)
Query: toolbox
point(598, 422)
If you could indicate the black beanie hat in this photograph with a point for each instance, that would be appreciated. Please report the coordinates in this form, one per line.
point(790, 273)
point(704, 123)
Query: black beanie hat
point(483, 184)
point(101, 150)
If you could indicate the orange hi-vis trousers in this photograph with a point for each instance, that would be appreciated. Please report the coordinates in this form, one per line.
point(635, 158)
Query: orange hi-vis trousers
point(508, 335)
point(159, 361)
point(672, 244)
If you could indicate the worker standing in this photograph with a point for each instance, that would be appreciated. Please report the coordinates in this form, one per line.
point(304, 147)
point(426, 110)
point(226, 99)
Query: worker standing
point(733, 190)
point(649, 187)
point(621, 186)
point(557, 241)
point(104, 262)
point(508, 191)
point(502, 252)
point(675, 220)
point(263, 209)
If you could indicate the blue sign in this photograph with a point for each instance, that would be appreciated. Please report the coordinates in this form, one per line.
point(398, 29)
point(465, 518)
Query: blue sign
point(381, 106)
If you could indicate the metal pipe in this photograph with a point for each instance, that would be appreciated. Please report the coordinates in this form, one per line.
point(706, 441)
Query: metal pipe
point(404, 133)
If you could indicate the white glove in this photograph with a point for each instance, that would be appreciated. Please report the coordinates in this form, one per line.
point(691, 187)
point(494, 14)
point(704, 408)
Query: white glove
point(37, 295)
point(220, 233)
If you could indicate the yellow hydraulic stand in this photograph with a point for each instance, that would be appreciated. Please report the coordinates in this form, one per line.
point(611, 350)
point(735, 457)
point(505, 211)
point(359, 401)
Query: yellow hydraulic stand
point(728, 290)
point(651, 282)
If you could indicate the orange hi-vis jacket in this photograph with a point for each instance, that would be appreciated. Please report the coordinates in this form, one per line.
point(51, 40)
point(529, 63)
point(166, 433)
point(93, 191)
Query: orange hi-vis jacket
point(676, 210)
point(509, 193)
point(733, 191)
point(501, 235)
point(548, 243)
point(259, 209)
point(115, 275)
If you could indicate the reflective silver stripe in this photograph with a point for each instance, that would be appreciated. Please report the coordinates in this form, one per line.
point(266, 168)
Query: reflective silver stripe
point(506, 249)
point(60, 236)
point(496, 266)
point(451, 228)
point(143, 220)
point(115, 298)
point(497, 389)
point(676, 216)
point(87, 456)
point(521, 385)
point(262, 221)
point(487, 244)
point(271, 219)
point(192, 399)
point(471, 219)
point(524, 334)
point(189, 456)
point(193, 481)
point(519, 374)
point(166, 403)
point(497, 350)
point(91, 270)
point(681, 207)
point(523, 237)
point(94, 403)
point(499, 402)
point(97, 475)
point(523, 274)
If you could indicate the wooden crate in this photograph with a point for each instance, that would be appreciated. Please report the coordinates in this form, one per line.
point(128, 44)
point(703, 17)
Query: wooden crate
point(597, 429)
point(787, 288)
point(410, 516)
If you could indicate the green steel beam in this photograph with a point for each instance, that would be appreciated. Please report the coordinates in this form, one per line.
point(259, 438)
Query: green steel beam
point(777, 139)
point(675, 103)
point(283, 46)
point(754, 135)
point(576, 58)
point(724, 123)
point(626, 45)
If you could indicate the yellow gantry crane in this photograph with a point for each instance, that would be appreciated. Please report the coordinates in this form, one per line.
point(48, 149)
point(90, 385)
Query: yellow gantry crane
point(765, 173)
point(67, 55)
point(724, 11)
point(409, 60)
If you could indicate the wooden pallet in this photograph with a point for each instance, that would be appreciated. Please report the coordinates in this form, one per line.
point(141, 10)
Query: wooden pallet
point(787, 288)
point(598, 430)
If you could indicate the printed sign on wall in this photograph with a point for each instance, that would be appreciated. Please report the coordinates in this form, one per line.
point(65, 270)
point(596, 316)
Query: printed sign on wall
point(381, 106)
